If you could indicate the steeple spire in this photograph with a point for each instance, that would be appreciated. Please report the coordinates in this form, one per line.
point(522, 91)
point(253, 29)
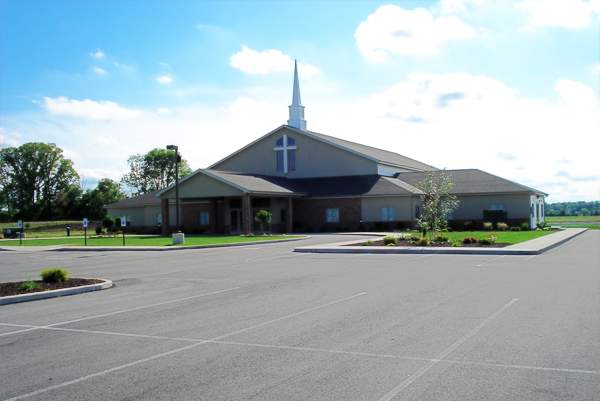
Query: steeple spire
point(296, 109)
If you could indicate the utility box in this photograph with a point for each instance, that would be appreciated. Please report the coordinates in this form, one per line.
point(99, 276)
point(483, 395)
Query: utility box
point(12, 232)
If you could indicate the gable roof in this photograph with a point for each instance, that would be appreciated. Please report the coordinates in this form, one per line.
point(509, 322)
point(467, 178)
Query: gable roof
point(472, 181)
point(375, 154)
point(357, 185)
point(147, 199)
point(379, 155)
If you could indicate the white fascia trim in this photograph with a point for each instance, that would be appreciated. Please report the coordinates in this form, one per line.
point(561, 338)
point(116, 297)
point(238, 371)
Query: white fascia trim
point(402, 166)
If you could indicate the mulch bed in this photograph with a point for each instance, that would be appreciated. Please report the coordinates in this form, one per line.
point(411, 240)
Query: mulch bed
point(8, 289)
point(435, 244)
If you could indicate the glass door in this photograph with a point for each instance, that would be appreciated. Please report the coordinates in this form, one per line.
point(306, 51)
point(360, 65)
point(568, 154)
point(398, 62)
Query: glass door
point(236, 221)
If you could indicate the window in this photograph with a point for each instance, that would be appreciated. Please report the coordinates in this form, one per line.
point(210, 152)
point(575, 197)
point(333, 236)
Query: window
point(387, 213)
point(159, 218)
point(285, 151)
point(279, 142)
point(282, 215)
point(497, 207)
point(204, 220)
point(333, 215)
point(417, 211)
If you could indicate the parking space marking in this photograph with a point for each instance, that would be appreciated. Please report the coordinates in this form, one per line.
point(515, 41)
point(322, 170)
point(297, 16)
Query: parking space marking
point(121, 311)
point(489, 263)
point(408, 260)
point(163, 354)
point(407, 382)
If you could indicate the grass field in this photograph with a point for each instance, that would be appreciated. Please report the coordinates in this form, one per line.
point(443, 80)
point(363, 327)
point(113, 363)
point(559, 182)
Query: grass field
point(573, 219)
point(504, 237)
point(144, 241)
point(35, 224)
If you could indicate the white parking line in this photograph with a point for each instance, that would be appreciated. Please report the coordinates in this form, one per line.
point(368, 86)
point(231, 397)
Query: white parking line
point(409, 260)
point(407, 382)
point(121, 311)
point(128, 365)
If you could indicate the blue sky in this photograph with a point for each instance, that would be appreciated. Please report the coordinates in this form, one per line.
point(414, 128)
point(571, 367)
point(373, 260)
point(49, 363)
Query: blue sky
point(508, 87)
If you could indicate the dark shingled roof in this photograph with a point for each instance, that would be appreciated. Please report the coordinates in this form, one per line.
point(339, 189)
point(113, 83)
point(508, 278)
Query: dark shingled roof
point(137, 201)
point(257, 183)
point(472, 181)
point(357, 185)
point(381, 155)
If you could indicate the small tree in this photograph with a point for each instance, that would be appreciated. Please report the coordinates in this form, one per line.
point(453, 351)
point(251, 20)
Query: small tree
point(264, 218)
point(437, 201)
point(108, 222)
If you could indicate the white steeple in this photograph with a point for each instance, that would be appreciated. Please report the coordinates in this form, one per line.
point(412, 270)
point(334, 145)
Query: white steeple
point(296, 109)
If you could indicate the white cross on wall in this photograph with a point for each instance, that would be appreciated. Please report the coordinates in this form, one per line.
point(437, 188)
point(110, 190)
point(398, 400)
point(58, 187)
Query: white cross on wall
point(285, 149)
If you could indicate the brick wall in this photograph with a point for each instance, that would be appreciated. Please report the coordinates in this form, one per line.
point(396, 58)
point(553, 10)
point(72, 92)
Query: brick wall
point(190, 217)
point(311, 214)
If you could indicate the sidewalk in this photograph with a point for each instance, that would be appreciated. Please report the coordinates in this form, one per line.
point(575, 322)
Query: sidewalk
point(532, 247)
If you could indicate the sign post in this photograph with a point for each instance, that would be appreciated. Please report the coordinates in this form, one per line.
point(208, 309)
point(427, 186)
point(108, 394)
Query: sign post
point(85, 232)
point(20, 232)
point(123, 224)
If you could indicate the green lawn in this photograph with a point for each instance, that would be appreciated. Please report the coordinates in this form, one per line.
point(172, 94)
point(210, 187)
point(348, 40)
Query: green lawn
point(35, 224)
point(145, 241)
point(504, 237)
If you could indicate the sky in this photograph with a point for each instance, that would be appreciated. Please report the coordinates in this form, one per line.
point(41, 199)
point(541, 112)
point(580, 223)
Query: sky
point(508, 87)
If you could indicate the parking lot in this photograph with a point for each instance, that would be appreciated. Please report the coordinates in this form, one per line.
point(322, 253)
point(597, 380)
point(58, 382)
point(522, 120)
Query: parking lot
point(264, 323)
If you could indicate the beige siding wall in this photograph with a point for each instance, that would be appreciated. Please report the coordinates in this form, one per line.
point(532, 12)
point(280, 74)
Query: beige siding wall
point(313, 159)
point(403, 206)
point(471, 207)
point(202, 186)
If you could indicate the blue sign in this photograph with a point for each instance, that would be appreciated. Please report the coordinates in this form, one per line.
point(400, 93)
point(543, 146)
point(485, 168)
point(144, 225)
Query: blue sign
point(123, 221)
point(20, 223)
point(85, 222)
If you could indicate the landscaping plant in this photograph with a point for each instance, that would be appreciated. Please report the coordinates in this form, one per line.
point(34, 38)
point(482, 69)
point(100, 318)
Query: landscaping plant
point(437, 201)
point(390, 240)
point(28, 286)
point(56, 275)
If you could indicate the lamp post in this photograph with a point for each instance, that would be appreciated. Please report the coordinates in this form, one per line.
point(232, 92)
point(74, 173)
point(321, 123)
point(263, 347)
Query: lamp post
point(177, 159)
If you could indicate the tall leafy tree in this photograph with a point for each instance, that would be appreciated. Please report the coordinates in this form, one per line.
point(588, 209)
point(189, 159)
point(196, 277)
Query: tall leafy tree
point(93, 201)
point(152, 171)
point(33, 177)
point(437, 201)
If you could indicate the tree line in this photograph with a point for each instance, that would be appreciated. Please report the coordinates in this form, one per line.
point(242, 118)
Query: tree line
point(580, 208)
point(37, 183)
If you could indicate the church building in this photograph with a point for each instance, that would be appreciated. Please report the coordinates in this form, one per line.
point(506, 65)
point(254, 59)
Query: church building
point(312, 182)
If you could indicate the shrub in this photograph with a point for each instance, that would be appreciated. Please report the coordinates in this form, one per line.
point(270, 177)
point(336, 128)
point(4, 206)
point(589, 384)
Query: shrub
point(54, 275)
point(469, 225)
point(541, 225)
point(441, 238)
point(484, 241)
point(369, 242)
point(390, 240)
point(402, 238)
point(524, 226)
point(457, 243)
point(391, 244)
point(515, 229)
point(502, 226)
point(469, 240)
point(108, 221)
point(423, 241)
point(98, 230)
point(28, 286)
point(415, 238)
point(492, 238)
point(27, 225)
point(487, 226)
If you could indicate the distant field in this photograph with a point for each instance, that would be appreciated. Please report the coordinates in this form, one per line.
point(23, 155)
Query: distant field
point(35, 224)
point(573, 219)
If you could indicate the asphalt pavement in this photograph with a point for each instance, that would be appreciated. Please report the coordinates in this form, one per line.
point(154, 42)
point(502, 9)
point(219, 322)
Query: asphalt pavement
point(263, 322)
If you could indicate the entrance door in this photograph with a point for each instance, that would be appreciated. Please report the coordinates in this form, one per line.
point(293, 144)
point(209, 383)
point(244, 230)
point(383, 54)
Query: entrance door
point(236, 221)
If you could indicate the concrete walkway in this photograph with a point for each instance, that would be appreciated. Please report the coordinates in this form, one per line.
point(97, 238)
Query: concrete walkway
point(531, 247)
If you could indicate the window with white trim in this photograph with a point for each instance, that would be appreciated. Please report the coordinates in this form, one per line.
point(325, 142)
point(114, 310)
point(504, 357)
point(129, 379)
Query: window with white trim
point(333, 215)
point(204, 219)
point(387, 213)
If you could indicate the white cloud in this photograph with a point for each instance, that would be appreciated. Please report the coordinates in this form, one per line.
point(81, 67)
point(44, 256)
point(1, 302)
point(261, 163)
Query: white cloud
point(99, 70)
point(164, 79)
point(103, 110)
point(125, 67)
point(576, 93)
point(164, 65)
point(9, 140)
point(457, 6)
point(268, 61)
point(98, 54)
point(559, 13)
point(392, 29)
point(163, 110)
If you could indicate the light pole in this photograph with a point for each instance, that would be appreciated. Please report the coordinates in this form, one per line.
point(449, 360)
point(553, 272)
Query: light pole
point(177, 159)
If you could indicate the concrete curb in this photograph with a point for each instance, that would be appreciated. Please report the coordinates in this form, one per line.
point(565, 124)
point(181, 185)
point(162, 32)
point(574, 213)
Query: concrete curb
point(61, 248)
point(535, 246)
point(56, 293)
